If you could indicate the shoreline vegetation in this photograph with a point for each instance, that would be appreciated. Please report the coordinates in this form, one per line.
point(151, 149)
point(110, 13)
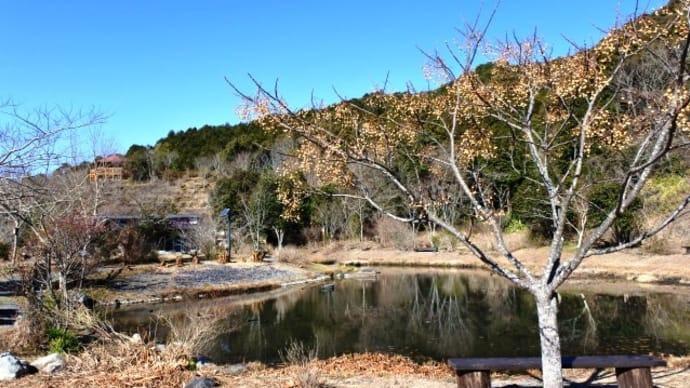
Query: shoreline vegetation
point(120, 361)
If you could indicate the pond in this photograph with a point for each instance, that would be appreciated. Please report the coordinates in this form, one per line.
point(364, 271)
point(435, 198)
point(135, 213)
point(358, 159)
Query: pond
point(429, 315)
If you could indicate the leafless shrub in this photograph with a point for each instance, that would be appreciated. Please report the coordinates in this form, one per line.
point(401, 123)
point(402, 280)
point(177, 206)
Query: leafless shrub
point(190, 334)
point(306, 374)
point(393, 234)
point(290, 254)
point(658, 245)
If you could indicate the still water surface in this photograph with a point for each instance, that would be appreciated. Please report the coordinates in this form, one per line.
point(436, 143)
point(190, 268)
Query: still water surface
point(433, 315)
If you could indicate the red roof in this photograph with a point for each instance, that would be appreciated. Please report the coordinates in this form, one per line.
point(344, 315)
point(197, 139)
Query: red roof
point(112, 160)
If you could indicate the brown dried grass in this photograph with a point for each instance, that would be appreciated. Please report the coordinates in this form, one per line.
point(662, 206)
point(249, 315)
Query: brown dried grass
point(118, 362)
point(19, 338)
point(291, 254)
point(306, 373)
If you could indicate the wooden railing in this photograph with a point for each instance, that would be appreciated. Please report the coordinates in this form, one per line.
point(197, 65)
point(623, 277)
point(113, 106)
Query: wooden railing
point(105, 173)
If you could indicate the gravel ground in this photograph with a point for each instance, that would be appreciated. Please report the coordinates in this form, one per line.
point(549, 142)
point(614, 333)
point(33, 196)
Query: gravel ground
point(224, 274)
point(209, 275)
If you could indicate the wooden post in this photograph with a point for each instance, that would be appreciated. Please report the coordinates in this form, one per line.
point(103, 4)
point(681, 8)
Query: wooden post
point(474, 379)
point(634, 377)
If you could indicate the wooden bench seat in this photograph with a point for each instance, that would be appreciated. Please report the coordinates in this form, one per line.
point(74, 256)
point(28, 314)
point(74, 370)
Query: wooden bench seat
point(631, 370)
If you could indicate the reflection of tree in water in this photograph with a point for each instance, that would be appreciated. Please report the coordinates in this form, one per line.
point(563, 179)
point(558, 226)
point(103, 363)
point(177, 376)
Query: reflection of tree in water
point(445, 313)
point(256, 338)
point(285, 303)
point(667, 318)
point(581, 327)
point(448, 314)
point(451, 314)
point(629, 323)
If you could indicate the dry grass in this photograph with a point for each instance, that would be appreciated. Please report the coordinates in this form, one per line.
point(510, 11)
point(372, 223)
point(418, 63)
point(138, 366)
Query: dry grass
point(193, 334)
point(121, 363)
point(291, 254)
point(18, 339)
point(393, 234)
point(117, 362)
point(306, 372)
point(678, 361)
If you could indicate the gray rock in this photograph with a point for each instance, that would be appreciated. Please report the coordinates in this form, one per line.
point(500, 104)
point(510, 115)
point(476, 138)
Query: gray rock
point(201, 382)
point(12, 368)
point(51, 363)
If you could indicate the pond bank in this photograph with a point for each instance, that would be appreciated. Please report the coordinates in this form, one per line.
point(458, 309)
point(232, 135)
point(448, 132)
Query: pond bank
point(629, 265)
point(156, 284)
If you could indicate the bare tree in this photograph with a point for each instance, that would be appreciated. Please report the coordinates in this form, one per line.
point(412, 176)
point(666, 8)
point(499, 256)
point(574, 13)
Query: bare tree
point(547, 117)
point(55, 209)
point(258, 210)
point(29, 146)
point(201, 237)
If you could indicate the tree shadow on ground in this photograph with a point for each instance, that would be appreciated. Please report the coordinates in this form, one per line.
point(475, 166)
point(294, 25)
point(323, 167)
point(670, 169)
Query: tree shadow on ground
point(605, 379)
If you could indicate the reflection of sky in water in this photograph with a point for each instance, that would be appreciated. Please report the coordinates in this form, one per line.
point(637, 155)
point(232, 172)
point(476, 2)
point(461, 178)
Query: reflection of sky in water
point(449, 315)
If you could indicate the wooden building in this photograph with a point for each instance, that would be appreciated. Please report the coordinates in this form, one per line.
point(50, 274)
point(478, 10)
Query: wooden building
point(109, 167)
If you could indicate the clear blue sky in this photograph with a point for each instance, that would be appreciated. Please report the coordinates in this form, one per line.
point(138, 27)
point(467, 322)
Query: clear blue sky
point(158, 65)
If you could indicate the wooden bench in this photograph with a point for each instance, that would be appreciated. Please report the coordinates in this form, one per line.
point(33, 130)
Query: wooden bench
point(631, 370)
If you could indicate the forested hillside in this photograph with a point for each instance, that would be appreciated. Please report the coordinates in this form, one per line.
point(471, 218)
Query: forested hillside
point(254, 170)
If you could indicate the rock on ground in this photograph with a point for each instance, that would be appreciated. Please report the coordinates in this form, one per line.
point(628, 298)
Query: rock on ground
point(12, 368)
point(51, 363)
point(201, 382)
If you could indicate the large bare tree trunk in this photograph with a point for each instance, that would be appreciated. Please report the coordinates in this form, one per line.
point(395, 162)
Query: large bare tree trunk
point(547, 311)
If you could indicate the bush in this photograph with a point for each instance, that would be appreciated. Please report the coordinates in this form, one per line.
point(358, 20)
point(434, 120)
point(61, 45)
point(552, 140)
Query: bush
point(531, 208)
point(514, 225)
point(662, 194)
point(392, 233)
point(61, 341)
point(290, 254)
point(307, 375)
point(603, 199)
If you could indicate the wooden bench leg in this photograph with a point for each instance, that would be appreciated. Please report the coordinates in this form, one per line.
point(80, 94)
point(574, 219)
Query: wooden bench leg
point(474, 379)
point(634, 377)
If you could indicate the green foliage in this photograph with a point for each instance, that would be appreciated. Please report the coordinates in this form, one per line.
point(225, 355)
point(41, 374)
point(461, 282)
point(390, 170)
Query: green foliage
point(663, 193)
point(252, 198)
point(230, 192)
point(531, 208)
point(61, 340)
point(603, 200)
point(514, 225)
point(187, 146)
point(138, 163)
